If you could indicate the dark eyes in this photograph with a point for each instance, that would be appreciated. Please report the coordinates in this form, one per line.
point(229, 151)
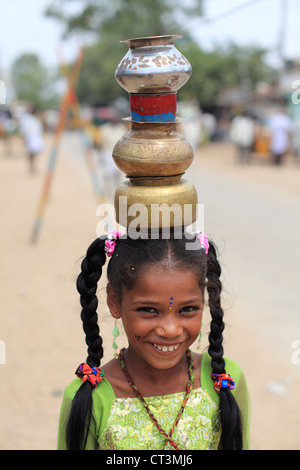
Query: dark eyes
point(183, 310)
point(147, 310)
point(190, 308)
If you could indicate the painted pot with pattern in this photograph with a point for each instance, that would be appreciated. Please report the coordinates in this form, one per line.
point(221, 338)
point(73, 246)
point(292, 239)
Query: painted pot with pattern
point(153, 65)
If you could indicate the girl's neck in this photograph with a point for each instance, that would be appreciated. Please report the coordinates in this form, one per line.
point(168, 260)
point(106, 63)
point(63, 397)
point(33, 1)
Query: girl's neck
point(151, 381)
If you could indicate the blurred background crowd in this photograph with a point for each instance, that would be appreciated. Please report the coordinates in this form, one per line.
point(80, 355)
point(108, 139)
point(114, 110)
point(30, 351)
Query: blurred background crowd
point(234, 93)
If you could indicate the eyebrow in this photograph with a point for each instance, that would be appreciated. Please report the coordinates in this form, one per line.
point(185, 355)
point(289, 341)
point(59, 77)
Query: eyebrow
point(145, 302)
point(191, 301)
point(151, 302)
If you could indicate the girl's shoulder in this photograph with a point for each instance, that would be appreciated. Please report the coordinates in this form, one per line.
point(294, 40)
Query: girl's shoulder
point(106, 389)
point(103, 396)
point(113, 384)
point(103, 390)
point(232, 369)
point(231, 366)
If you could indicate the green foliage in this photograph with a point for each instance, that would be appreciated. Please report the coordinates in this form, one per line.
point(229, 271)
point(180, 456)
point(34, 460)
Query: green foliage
point(115, 20)
point(96, 85)
point(213, 71)
point(33, 82)
point(121, 19)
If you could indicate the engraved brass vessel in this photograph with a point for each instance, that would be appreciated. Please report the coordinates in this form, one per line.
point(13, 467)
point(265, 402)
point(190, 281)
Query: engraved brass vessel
point(150, 149)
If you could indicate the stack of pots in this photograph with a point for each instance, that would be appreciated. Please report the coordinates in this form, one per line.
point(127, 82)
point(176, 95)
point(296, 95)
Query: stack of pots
point(153, 154)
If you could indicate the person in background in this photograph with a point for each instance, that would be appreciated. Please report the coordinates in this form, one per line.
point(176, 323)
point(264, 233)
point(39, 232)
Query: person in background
point(242, 133)
point(111, 132)
point(31, 129)
point(280, 129)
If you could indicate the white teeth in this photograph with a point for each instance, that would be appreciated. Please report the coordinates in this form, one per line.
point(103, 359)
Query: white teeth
point(166, 348)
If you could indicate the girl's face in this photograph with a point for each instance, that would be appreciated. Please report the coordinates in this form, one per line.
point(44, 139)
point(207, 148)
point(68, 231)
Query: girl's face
point(161, 315)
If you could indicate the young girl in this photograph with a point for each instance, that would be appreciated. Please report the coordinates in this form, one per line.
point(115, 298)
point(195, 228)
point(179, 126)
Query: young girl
point(156, 394)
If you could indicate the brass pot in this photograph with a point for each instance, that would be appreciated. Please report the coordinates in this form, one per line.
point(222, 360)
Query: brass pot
point(153, 149)
point(156, 206)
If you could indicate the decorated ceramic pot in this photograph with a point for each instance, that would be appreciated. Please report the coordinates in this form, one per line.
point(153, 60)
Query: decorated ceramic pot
point(153, 65)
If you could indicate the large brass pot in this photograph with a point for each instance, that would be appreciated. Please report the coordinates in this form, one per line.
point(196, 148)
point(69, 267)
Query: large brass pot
point(156, 206)
point(153, 149)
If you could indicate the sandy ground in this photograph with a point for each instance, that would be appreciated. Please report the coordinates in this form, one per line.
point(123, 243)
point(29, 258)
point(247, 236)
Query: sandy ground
point(253, 214)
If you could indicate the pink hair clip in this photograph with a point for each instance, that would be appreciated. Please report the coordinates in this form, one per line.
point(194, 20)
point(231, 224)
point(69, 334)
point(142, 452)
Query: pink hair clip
point(203, 241)
point(110, 242)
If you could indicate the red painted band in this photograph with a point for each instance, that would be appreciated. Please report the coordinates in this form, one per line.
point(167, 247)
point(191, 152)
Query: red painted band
point(153, 105)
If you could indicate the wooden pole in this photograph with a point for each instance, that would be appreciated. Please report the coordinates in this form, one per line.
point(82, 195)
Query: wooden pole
point(67, 101)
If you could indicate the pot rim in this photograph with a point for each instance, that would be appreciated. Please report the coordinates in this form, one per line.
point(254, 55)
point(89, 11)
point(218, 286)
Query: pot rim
point(147, 41)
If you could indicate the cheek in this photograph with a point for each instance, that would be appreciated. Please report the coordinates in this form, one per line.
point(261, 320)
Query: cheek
point(135, 327)
point(195, 327)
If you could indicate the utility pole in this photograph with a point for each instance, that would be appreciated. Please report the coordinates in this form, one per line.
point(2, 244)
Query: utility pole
point(283, 7)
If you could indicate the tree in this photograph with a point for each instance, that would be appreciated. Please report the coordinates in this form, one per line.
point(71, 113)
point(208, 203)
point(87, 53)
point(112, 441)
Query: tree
point(121, 19)
point(32, 81)
point(109, 23)
point(117, 20)
point(96, 85)
point(232, 66)
point(247, 66)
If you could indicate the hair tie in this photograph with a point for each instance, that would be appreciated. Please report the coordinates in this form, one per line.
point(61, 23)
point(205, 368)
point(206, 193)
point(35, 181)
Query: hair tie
point(222, 381)
point(110, 242)
point(203, 241)
point(93, 374)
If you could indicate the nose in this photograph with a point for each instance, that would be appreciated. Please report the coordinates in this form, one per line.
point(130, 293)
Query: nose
point(169, 327)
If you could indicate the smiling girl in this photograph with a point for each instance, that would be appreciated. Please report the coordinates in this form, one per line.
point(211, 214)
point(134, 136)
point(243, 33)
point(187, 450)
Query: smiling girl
point(156, 394)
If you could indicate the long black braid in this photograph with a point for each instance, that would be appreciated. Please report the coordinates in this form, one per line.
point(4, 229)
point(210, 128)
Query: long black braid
point(81, 411)
point(231, 438)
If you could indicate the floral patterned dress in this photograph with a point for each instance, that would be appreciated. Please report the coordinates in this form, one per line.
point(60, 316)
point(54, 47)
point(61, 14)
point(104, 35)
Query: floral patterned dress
point(124, 424)
point(130, 428)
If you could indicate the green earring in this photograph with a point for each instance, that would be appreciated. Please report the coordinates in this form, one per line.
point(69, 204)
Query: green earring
point(115, 333)
point(199, 340)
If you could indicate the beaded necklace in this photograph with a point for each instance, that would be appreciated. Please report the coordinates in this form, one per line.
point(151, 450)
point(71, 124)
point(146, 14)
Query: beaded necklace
point(188, 389)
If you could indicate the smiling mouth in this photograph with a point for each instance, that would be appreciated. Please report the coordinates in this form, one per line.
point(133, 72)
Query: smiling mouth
point(165, 348)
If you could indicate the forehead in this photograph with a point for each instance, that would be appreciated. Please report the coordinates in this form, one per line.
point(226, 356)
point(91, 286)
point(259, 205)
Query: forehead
point(158, 281)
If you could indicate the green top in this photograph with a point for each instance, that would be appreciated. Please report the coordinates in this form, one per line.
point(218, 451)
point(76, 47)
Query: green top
point(123, 423)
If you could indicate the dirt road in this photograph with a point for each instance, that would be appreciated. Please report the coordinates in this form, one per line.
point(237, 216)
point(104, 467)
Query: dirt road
point(253, 214)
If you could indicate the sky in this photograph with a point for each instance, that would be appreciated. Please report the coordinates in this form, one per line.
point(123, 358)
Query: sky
point(24, 28)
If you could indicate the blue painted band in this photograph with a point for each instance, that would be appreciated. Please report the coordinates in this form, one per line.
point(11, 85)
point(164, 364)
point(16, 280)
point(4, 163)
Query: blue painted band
point(167, 117)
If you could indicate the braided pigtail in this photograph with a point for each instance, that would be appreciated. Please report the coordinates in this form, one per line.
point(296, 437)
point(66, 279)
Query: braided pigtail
point(231, 438)
point(81, 411)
